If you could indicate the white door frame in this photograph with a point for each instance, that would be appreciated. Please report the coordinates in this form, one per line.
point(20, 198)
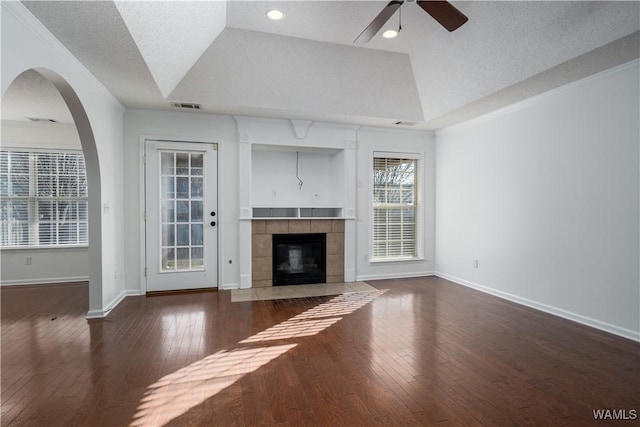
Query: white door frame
point(142, 198)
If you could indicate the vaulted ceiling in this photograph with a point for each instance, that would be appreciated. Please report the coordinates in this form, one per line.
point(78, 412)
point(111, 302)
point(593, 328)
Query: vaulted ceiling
point(228, 57)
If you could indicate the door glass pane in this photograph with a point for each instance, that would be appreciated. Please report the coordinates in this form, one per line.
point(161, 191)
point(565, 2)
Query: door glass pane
point(197, 257)
point(196, 211)
point(182, 164)
point(183, 235)
point(182, 259)
point(168, 211)
point(182, 187)
point(168, 235)
point(196, 188)
point(196, 234)
point(168, 167)
point(196, 164)
point(182, 217)
point(168, 259)
point(182, 211)
point(168, 187)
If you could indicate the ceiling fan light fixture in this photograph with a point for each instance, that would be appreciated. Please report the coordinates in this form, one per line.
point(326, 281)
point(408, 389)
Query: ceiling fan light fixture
point(390, 34)
point(275, 15)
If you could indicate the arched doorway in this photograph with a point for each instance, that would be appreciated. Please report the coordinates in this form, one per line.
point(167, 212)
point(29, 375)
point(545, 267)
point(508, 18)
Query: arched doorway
point(90, 152)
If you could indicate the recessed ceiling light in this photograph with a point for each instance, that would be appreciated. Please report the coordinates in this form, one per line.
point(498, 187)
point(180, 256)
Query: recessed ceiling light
point(275, 15)
point(390, 34)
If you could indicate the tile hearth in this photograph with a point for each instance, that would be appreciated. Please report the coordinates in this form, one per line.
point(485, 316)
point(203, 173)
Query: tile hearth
point(298, 291)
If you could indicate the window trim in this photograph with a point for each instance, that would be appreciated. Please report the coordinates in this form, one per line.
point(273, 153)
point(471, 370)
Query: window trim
point(419, 228)
point(31, 199)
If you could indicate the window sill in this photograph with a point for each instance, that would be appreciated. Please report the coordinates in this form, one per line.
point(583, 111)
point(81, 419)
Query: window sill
point(37, 248)
point(392, 260)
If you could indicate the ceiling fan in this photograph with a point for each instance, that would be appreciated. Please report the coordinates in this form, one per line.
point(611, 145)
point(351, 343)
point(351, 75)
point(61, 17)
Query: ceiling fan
point(442, 11)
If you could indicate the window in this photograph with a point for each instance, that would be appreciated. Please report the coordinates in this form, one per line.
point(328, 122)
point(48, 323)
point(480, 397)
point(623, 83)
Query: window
point(43, 199)
point(395, 206)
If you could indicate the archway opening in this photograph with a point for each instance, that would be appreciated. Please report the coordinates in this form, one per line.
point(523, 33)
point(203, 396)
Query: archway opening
point(51, 212)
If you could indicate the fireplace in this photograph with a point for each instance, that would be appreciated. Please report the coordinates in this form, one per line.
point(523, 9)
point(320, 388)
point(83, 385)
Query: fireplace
point(299, 259)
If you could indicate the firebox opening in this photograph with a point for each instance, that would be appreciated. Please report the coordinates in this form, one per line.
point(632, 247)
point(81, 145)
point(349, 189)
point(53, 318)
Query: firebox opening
point(299, 259)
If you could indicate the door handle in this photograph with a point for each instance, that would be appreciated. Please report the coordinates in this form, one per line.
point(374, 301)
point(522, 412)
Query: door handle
point(213, 223)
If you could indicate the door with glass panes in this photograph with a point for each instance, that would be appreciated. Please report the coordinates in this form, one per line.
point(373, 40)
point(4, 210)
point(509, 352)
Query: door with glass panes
point(181, 206)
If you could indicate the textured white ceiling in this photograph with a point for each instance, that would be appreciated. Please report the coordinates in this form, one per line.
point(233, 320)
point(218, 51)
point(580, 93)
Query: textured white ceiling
point(248, 68)
point(307, 66)
point(18, 101)
point(507, 42)
point(171, 36)
point(328, 21)
point(103, 45)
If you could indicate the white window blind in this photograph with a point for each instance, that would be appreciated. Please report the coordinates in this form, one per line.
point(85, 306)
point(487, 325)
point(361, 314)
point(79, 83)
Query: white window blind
point(395, 207)
point(43, 199)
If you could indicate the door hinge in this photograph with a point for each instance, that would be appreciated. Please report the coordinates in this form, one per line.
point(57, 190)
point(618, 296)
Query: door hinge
point(145, 272)
point(144, 159)
point(145, 216)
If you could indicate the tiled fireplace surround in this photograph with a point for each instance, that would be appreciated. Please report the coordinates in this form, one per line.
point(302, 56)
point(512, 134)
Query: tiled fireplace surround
point(261, 246)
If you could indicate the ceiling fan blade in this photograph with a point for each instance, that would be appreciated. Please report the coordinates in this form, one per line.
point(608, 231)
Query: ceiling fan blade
point(379, 21)
point(444, 12)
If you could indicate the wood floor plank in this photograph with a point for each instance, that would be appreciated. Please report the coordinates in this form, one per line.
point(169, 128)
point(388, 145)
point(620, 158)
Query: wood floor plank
point(425, 352)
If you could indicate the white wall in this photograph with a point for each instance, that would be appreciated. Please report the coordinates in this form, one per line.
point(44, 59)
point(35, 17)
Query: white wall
point(26, 44)
point(378, 139)
point(181, 126)
point(39, 266)
point(39, 135)
point(274, 182)
point(545, 195)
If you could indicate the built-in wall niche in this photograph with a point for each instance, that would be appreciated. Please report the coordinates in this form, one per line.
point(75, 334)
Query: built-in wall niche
point(297, 182)
point(318, 213)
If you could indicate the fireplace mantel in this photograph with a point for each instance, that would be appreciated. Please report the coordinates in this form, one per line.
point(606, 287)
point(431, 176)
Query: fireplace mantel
point(269, 213)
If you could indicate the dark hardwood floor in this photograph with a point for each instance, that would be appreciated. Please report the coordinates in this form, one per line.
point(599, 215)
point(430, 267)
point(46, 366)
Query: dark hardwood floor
point(423, 352)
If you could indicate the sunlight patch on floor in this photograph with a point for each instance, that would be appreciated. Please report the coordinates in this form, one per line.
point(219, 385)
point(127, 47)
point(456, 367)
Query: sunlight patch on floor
point(175, 394)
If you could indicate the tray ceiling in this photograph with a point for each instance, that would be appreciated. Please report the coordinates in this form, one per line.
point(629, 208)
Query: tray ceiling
point(228, 57)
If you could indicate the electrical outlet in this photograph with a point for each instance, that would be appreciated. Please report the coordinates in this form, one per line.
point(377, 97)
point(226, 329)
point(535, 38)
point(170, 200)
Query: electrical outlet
point(475, 263)
point(27, 261)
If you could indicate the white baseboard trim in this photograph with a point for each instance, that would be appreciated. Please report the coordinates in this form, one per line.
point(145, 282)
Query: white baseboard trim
point(575, 317)
point(228, 286)
point(44, 281)
point(100, 314)
point(95, 314)
point(363, 278)
point(133, 292)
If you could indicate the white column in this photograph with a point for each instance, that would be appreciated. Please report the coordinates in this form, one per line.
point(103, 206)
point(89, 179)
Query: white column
point(350, 211)
point(244, 190)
